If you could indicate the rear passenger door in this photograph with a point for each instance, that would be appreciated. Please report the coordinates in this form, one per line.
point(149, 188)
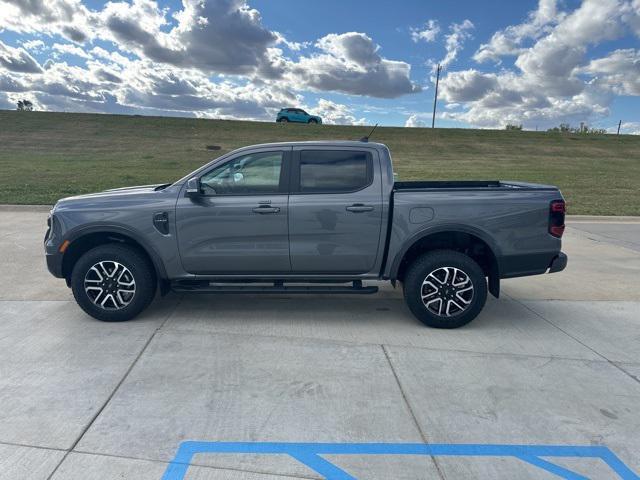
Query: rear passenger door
point(295, 115)
point(335, 210)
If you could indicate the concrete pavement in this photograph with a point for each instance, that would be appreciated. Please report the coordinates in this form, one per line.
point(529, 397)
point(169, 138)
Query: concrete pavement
point(555, 361)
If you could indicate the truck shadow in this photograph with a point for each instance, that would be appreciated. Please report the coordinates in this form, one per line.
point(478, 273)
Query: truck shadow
point(505, 326)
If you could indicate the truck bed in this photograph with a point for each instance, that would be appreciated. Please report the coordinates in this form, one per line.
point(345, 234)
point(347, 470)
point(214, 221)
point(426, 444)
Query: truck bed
point(467, 184)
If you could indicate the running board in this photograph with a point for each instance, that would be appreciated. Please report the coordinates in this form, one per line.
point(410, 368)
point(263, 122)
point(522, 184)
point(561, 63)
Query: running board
point(277, 288)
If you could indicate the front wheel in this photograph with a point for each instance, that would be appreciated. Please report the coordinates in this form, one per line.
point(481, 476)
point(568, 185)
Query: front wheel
point(313, 120)
point(445, 289)
point(283, 120)
point(113, 283)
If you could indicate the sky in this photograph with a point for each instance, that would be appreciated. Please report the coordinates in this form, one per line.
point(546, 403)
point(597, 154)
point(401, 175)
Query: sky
point(536, 64)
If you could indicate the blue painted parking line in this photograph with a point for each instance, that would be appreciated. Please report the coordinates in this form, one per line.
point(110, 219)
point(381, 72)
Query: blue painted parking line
point(309, 454)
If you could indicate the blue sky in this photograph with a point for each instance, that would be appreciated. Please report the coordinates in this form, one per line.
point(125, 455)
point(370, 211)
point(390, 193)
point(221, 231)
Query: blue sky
point(538, 63)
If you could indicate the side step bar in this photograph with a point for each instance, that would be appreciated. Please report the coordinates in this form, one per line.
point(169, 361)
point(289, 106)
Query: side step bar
point(277, 287)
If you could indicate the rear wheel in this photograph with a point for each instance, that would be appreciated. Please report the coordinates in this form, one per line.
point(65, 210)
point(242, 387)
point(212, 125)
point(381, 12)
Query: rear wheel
point(445, 289)
point(113, 283)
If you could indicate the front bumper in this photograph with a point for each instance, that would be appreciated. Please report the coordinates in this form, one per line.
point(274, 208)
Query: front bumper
point(51, 244)
point(558, 263)
point(54, 264)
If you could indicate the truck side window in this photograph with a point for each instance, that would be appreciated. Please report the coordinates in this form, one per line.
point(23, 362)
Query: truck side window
point(329, 171)
point(252, 174)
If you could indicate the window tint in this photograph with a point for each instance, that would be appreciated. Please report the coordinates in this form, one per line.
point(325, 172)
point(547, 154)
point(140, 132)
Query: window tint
point(255, 173)
point(334, 171)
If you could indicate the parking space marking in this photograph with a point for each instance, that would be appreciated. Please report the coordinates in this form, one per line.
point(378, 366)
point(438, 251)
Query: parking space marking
point(309, 454)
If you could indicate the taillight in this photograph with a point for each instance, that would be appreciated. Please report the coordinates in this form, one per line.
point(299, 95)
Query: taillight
point(557, 209)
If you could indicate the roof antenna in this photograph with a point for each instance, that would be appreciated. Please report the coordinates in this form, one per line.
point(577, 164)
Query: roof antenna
point(366, 138)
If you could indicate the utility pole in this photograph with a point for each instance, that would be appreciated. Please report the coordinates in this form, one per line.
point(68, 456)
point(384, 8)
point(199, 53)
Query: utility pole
point(619, 125)
point(435, 97)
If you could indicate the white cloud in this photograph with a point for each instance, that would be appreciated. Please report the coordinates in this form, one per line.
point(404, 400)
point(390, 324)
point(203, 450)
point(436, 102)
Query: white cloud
point(293, 46)
point(552, 81)
point(34, 45)
point(552, 61)
point(336, 113)
point(149, 86)
point(146, 87)
point(223, 37)
point(115, 57)
point(18, 60)
point(428, 32)
point(509, 41)
point(350, 63)
point(631, 16)
point(415, 121)
point(467, 85)
point(68, 18)
point(454, 41)
point(70, 49)
point(5, 102)
point(620, 70)
point(627, 128)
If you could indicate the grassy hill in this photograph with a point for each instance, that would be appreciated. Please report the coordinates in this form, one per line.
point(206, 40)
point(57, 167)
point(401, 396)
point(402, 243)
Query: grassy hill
point(45, 156)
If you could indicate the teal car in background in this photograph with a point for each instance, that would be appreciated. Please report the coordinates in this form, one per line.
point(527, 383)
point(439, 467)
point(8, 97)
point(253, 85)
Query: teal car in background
point(296, 115)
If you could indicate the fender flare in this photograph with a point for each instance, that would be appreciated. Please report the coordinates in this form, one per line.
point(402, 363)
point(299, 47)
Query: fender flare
point(107, 228)
point(448, 228)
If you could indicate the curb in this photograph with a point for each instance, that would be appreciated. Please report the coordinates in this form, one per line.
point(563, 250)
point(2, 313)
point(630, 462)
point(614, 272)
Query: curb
point(25, 208)
point(602, 219)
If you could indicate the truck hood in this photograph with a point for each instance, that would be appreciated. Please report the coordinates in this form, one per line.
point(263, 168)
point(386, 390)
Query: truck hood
point(107, 195)
point(138, 187)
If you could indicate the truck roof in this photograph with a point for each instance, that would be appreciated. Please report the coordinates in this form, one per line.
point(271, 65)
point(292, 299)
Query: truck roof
point(318, 143)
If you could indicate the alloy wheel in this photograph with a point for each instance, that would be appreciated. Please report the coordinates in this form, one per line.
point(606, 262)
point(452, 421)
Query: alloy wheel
point(110, 285)
point(447, 291)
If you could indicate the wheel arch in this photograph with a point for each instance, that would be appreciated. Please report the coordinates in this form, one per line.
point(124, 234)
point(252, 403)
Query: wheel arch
point(473, 242)
point(85, 239)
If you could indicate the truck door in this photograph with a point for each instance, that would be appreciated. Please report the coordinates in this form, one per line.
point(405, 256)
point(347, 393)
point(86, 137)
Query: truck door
point(239, 223)
point(335, 210)
point(297, 115)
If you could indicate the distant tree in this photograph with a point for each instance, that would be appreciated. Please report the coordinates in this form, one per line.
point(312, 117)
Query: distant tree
point(563, 128)
point(583, 129)
point(25, 106)
point(511, 126)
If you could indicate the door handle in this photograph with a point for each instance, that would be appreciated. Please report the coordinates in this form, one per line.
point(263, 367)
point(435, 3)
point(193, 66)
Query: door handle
point(359, 207)
point(266, 209)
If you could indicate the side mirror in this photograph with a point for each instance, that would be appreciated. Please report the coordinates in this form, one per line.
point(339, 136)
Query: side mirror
point(193, 187)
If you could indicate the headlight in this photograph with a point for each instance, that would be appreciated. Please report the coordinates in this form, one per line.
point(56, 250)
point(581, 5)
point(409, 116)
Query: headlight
point(46, 235)
point(53, 228)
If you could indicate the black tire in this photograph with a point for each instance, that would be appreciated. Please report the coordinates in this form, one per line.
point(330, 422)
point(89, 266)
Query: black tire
point(283, 120)
point(313, 120)
point(139, 268)
point(440, 261)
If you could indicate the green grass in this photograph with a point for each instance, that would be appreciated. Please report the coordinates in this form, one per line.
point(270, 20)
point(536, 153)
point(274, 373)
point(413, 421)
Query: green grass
point(45, 156)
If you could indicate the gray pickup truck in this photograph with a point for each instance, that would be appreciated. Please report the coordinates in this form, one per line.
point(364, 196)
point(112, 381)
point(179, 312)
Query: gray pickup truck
point(309, 218)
